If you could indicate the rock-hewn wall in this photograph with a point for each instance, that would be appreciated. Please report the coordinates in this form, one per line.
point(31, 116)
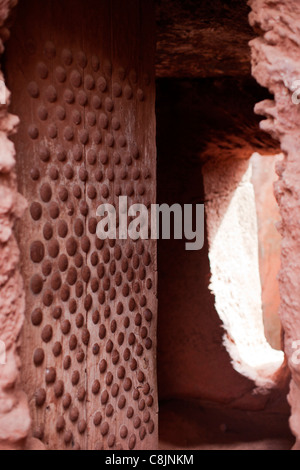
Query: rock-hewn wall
point(276, 65)
point(14, 414)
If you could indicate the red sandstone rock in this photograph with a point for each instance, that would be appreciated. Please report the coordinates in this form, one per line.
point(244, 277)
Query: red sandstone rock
point(275, 65)
point(14, 414)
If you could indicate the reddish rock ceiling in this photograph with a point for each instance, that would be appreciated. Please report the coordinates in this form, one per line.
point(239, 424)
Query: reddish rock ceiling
point(203, 38)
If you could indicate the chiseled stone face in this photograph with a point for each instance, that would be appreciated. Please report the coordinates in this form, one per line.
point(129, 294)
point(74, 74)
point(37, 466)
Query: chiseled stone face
point(275, 65)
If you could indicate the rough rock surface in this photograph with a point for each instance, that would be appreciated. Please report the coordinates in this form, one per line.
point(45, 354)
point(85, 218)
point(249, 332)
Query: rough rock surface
point(263, 178)
point(275, 65)
point(14, 414)
point(202, 38)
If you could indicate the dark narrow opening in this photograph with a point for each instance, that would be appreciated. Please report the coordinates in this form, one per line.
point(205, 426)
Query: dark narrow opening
point(204, 401)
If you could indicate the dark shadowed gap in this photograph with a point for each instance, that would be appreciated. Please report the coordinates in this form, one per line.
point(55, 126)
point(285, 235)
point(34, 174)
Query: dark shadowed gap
point(198, 386)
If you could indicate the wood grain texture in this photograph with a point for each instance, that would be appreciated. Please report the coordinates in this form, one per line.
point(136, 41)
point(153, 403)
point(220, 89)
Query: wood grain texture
point(82, 78)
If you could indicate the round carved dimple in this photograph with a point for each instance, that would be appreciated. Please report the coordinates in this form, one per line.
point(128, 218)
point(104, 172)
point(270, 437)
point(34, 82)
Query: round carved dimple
point(111, 441)
point(133, 364)
point(57, 349)
point(74, 414)
point(51, 94)
point(68, 172)
point(80, 356)
point(75, 79)
point(75, 378)
point(40, 397)
point(37, 252)
point(36, 284)
point(72, 306)
point(121, 402)
point(47, 333)
point(102, 332)
point(117, 90)
point(56, 281)
point(63, 263)
point(79, 320)
point(96, 387)
point(96, 102)
point(68, 134)
point(69, 96)
point(66, 401)
point(115, 390)
point(33, 90)
point(77, 191)
point(148, 343)
point(150, 401)
point(38, 357)
point(62, 229)
point(82, 100)
point(101, 84)
point(53, 249)
point(78, 228)
point(103, 121)
point(79, 289)
point(57, 313)
point(59, 389)
point(81, 426)
point(89, 82)
point(104, 397)
point(104, 429)
point(131, 339)
point(103, 366)
point(68, 436)
point(53, 173)
point(50, 375)
point(73, 343)
point(71, 246)
point(96, 317)
point(54, 210)
point(97, 419)
point(126, 355)
point(61, 154)
point(42, 113)
point(148, 315)
point(115, 357)
point(60, 113)
point(85, 244)
point(76, 116)
point(46, 192)
point(67, 363)
point(65, 327)
point(33, 132)
point(85, 336)
point(142, 433)
point(123, 432)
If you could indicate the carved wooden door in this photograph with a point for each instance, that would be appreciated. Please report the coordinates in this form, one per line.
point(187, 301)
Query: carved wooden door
point(81, 74)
